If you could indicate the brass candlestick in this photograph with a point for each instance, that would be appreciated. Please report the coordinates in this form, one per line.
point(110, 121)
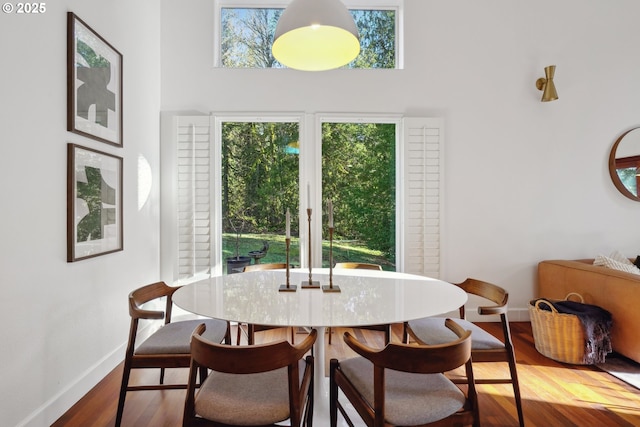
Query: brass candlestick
point(330, 287)
point(309, 284)
point(288, 287)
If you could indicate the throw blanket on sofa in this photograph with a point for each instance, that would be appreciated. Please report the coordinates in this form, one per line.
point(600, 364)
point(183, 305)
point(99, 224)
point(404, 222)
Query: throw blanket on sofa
point(596, 323)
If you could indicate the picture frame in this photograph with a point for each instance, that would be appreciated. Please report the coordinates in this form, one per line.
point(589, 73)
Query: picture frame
point(94, 203)
point(94, 84)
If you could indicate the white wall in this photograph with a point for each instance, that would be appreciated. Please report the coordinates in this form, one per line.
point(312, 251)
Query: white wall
point(64, 324)
point(524, 180)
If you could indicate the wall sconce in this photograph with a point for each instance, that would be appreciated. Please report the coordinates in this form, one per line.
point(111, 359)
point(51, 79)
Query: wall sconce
point(545, 84)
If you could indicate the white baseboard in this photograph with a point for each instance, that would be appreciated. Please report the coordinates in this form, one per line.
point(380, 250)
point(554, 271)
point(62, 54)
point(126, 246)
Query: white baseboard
point(55, 407)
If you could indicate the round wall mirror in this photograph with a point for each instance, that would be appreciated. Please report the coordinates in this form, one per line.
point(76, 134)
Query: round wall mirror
point(624, 163)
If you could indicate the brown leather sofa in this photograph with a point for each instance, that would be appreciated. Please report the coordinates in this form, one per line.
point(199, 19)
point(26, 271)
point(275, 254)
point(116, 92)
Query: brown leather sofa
point(615, 291)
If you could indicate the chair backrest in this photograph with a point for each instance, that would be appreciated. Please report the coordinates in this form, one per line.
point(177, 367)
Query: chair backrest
point(419, 359)
point(252, 359)
point(247, 359)
point(148, 293)
point(269, 266)
point(489, 291)
point(143, 295)
point(360, 265)
point(423, 359)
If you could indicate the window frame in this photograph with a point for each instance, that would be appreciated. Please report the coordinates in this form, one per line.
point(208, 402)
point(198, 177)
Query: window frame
point(419, 185)
point(309, 173)
point(216, 152)
point(218, 5)
point(395, 119)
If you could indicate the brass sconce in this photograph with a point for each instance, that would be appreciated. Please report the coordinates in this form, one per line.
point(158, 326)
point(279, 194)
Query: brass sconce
point(545, 84)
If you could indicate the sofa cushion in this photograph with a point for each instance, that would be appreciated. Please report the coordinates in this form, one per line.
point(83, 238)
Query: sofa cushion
point(617, 256)
point(608, 262)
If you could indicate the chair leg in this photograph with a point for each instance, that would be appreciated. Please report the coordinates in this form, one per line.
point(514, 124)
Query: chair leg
point(250, 334)
point(161, 375)
point(516, 387)
point(123, 392)
point(333, 393)
point(227, 335)
point(512, 367)
point(329, 332)
point(311, 394)
point(405, 333)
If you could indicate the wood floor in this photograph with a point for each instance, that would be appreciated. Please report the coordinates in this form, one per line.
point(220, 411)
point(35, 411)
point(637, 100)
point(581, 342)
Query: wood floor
point(554, 394)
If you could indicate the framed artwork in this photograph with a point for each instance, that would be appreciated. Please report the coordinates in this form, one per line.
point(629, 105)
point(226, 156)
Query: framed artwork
point(94, 203)
point(94, 84)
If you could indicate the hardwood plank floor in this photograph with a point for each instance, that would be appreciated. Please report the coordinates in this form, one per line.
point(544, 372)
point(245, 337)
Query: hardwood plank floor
point(554, 394)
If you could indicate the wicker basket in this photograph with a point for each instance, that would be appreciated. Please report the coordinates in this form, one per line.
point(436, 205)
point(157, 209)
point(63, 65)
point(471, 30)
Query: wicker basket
point(556, 335)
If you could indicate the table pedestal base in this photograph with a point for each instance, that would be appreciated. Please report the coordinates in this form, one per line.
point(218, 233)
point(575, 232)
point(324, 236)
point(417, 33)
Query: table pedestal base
point(321, 414)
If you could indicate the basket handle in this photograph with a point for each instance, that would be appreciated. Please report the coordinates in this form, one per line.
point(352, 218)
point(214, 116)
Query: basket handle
point(576, 294)
point(553, 309)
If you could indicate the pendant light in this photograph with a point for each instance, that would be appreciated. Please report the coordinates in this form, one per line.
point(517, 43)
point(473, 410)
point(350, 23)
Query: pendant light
point(316, 35)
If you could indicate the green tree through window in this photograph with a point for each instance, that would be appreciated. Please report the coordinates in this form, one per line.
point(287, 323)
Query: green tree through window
point(260, 181)
point(247, 36)
point(358, 175)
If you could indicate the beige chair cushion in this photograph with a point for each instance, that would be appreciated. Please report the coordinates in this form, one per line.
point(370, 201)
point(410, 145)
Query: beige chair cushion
point(175, 337)
point(431, 330)
point(410, 399)
point(245, 399)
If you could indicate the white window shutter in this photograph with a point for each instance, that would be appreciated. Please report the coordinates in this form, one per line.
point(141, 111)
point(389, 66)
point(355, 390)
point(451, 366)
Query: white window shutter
point(422, 184)
point(187, 186)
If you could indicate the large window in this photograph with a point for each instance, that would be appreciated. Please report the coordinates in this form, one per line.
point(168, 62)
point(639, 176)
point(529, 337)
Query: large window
point(359, 176)
point(245, 31)
point(234, 177)
point(259, 178)
point(260, 172)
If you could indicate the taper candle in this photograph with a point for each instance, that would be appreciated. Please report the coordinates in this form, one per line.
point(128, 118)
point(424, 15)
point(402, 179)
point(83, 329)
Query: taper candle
point(330, 209)
point(288, 224)
point(308, 196)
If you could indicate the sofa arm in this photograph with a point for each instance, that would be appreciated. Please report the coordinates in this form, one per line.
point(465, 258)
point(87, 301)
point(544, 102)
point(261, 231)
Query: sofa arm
point(616, 291)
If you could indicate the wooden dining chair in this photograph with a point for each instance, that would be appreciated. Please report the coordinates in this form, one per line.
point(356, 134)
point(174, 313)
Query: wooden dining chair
point(405, 385)
point(252, 385)
point(251, 329)
point(167, 347)
point(360, 265)
point(484, 346)
point(365, 266)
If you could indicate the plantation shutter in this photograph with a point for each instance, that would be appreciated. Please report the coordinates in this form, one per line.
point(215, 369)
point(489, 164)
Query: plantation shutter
point(421, 174)
point(187, 173)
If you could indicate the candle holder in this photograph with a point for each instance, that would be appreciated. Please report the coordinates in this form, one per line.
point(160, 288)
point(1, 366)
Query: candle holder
point(330, 287)
point(287, 287)
point(310, 284)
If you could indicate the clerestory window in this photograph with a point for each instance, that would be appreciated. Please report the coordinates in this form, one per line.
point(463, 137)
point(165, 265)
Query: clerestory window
point(245, 29)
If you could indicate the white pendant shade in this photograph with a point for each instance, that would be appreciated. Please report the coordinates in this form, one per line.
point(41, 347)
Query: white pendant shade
point(316, 35)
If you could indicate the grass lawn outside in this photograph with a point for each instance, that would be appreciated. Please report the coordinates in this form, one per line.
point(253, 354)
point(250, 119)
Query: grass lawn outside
point(342, 250)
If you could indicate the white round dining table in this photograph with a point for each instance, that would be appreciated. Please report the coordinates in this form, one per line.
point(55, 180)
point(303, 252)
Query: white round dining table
point(366, 297)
